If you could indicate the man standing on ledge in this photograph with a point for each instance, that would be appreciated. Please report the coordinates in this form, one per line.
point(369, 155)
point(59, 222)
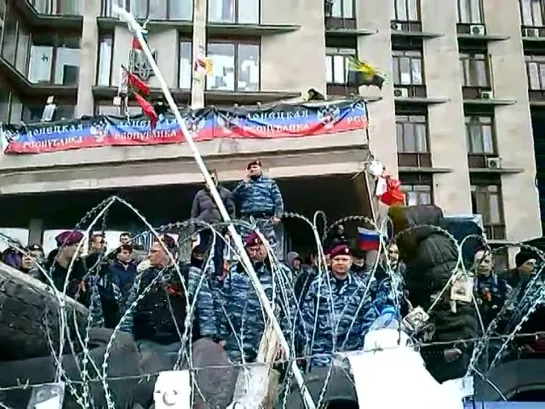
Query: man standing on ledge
point(259, 200)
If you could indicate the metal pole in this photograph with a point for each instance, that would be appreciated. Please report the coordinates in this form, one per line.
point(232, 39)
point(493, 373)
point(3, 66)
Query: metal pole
point(135, 27)
point(198, 78)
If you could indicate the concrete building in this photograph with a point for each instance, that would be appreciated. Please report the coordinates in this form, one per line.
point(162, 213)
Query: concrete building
point(454, 121)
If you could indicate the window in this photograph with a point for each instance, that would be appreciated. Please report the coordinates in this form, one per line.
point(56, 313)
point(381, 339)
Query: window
point(343, 9)
point(69, 7)
point(501, 259)
point(407, 67)
point(9, 42)
point(43, 6)
point(531, 12)
point(486, 201)
point(235, 67)
point(154, 9)
point(417, 194)
point(233, 11)
point(105, 50)
point(404, 10)
point(535, 70)
point(474, 70)
point(470, 11)
point(65, 7)
point(4, 104)
point(480, 135)
point(16, 40)
point(33, 113)
point(411, 132)
point(54, 60)
point(185, 68)
point(23, 46)
point(336, 61)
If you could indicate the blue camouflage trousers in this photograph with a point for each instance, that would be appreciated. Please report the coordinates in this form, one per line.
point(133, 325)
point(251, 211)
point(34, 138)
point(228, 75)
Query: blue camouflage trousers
point(265, 227)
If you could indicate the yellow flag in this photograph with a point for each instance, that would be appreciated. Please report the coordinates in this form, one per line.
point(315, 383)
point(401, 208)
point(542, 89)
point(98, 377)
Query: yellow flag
point(356, 65)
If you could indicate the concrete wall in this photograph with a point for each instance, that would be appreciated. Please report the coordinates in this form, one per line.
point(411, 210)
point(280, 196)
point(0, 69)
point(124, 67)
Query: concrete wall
point(293, 62)
point(341, 161)
point(513, 123)
point(375, 15)
point(89, 58)
point(443, 80)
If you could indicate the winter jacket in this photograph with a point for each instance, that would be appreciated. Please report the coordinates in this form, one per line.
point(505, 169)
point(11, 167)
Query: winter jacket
point(204, 207)
point(241, 319)
point(259, 197)
point(160, 314)
point(81, 286)
point(326, 331)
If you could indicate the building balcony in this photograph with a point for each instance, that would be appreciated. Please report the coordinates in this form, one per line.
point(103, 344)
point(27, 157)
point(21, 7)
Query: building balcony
point(291, 139)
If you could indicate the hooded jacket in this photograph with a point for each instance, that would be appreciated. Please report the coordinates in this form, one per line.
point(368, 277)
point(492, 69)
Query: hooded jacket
point(204, 207)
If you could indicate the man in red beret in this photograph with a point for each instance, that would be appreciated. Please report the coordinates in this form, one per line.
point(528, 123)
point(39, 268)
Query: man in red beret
point(79, 285)
point(259, 200)
point(343, 296)
point(241, 315)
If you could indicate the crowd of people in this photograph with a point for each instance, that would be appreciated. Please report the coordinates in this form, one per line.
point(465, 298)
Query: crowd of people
point(324, 304)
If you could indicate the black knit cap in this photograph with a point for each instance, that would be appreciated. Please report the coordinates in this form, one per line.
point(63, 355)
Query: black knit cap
point(523, 256)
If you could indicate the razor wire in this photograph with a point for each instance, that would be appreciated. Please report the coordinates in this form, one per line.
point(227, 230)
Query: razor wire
point(99, 211)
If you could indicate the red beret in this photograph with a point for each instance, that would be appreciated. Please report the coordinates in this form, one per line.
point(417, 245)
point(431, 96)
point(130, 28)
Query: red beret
point(340, 250)
point(69, 238)
point(252, 239)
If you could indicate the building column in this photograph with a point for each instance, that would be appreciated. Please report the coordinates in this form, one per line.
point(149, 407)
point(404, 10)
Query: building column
point(446, 120)
point(377, 50)
point(88, 58)
point(35, 231)
point(513, 123)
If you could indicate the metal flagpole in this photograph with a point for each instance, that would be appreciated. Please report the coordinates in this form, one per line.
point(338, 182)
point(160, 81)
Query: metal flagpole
point(198, 77)
point(137, 30)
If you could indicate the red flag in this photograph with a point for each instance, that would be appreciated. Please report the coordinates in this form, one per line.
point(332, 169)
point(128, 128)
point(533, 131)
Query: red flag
point(137, 83)
point(147, 109)
point(136, 44)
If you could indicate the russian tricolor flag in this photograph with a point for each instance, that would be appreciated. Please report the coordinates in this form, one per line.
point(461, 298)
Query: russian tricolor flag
point(368, 239)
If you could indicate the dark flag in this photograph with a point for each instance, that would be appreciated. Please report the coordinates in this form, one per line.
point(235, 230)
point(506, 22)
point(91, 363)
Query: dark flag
point(360, 73)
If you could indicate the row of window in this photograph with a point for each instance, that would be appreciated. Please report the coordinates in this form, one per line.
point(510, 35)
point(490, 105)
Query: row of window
point(408, 68)
point(532, 12)
point(52, 59)
point(235, 65)
point(412, 134)
point(247, 11)
point(219, 11)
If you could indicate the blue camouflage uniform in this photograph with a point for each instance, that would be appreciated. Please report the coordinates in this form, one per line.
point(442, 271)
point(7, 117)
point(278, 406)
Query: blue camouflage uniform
point(160, 315)
point(259, 200)
point(389, 289)
point(491, 293)
point(342, 329)
point(241, 318)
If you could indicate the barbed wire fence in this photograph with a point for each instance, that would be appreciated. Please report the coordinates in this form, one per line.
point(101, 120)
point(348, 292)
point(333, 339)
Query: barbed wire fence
point(90, 374)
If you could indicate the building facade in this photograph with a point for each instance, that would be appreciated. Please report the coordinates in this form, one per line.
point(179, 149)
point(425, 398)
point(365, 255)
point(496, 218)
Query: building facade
point(454, 120)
